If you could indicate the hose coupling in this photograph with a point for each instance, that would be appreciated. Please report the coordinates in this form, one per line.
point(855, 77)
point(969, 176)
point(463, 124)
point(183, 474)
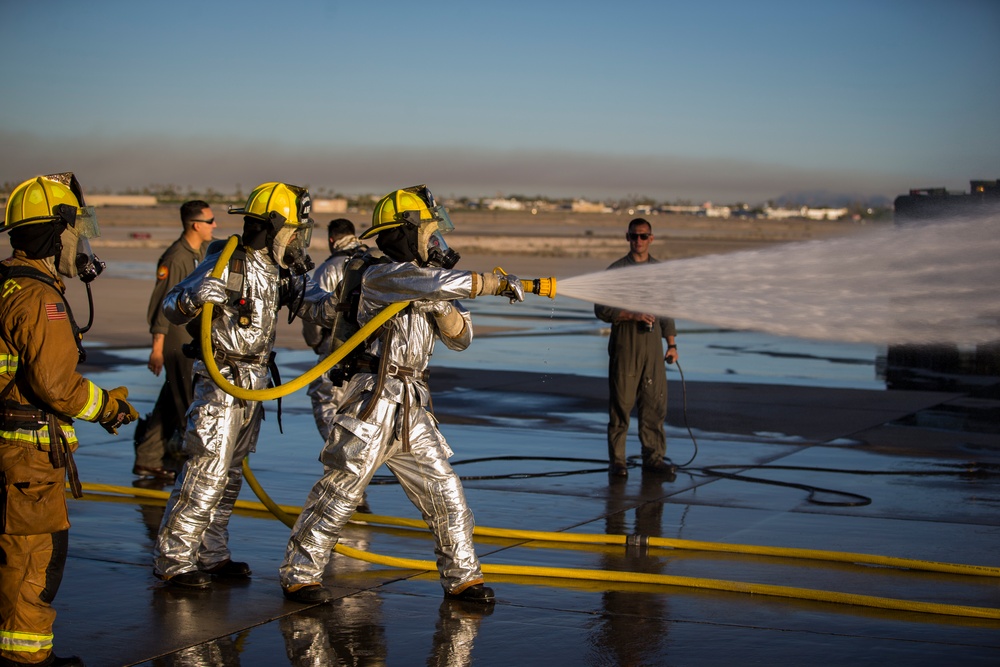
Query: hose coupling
point(637, 545)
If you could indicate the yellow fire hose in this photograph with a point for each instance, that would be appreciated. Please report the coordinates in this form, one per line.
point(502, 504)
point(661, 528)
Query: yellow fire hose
point(546, 287)
point(302, 380)
point(286, 514)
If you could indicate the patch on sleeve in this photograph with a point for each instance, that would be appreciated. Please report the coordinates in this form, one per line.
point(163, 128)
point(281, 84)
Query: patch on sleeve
point(55, 311)
point(162, 272)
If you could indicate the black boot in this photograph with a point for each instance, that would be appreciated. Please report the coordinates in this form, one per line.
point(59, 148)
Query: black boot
point(310, 594)
point(230, 569)
point(474, 593)
point(193, 579)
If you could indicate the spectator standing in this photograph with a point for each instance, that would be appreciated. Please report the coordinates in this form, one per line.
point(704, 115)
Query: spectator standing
point(637, 374)
point(153, 433)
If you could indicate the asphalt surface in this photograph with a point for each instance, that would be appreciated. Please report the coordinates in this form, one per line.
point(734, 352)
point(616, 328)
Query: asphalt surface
point(919, 487)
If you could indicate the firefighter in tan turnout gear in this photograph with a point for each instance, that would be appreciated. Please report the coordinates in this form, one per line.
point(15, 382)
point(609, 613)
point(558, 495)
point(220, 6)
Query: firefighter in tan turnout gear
point(41, 393)
point(385, 416)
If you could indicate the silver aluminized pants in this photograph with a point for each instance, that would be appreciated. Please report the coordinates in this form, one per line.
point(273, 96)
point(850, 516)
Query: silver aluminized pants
point(221, 431)
point(326, 398)
point(353, 453)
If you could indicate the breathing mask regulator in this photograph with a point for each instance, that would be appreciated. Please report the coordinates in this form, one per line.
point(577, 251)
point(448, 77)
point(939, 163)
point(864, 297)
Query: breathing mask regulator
point(433, 249)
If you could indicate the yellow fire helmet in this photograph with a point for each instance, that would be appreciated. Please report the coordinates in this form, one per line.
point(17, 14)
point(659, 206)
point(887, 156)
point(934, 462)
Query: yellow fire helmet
point(41, 199)
point(290, 202)
point(391, 211)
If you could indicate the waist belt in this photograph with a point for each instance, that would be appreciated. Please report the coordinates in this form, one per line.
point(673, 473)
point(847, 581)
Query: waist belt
point(23, 417)
point(15, 416)
point(226, 358)
point(372, 366)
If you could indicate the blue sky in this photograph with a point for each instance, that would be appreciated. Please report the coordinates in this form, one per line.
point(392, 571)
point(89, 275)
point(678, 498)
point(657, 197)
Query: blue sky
point(725, 100)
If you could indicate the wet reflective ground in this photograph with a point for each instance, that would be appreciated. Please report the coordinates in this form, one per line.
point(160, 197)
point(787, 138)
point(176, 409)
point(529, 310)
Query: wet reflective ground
point(534, 393)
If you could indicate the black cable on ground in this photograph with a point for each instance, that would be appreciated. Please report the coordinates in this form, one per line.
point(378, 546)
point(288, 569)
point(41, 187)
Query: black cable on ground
point(970, 469)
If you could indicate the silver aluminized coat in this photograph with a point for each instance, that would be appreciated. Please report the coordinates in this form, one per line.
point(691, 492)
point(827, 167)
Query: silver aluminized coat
point(324, 395)
point(356, 448)
point(222, 430)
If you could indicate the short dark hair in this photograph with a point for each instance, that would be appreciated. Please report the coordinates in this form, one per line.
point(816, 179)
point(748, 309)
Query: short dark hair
point(192, 209)
point(640, 221)
point(340, 227)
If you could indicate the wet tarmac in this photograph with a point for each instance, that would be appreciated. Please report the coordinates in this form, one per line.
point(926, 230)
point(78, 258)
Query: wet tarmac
point(896, 479)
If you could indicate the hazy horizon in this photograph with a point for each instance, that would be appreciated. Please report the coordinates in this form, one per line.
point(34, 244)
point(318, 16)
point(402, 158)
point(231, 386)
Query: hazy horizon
point(715, 101)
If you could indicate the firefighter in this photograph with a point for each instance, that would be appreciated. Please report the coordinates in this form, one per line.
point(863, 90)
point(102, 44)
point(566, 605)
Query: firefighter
point(269, 270)
point(41, 393)
point(324, 394)
point(386, 416)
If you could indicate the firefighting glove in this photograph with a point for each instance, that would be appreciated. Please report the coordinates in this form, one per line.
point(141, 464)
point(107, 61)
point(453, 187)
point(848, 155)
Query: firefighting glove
point(117, 411)
point(211, 290)
point(499, 283)
point(449, 321)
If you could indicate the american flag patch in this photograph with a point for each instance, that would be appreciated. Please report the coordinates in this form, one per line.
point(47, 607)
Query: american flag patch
point(55, 311)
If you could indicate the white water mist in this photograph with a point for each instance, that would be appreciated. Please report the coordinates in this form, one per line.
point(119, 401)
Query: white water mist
point(922, 284)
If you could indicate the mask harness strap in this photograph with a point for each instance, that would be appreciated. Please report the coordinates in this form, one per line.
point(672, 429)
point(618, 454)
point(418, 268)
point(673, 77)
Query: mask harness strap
point(29, 272)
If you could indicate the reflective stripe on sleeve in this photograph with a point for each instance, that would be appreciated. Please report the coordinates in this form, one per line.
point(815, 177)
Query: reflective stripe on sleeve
point(95, 403)
point(8, 364)
point(24, 642)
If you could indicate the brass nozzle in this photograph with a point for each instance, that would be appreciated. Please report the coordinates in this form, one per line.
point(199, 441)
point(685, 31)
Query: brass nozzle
point(540, 286)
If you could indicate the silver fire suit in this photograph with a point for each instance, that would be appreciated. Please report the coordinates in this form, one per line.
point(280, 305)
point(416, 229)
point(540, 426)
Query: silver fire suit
point(325, 395)
point(222, 430)
point(385, 418)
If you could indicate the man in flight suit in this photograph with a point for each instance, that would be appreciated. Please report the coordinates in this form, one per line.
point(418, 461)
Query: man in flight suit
point(637, 375)
point(153, 433)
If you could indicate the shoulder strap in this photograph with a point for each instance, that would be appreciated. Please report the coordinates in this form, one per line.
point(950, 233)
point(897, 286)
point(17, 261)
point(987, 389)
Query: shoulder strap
point(9, 272)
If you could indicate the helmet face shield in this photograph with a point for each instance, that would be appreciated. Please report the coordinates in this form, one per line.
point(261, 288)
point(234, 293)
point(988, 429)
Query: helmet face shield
point(86, 223)
point(444, 223)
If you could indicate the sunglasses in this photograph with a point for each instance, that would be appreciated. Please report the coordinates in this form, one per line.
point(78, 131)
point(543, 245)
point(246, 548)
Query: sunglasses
point(633, 236)
point(210, 221)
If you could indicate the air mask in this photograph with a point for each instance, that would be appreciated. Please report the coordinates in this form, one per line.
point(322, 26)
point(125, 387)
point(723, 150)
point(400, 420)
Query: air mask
point(290, 245)
point(434, 250)
point(75, 257)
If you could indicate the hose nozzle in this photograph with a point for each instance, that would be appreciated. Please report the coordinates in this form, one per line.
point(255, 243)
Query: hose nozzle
point(540, 286)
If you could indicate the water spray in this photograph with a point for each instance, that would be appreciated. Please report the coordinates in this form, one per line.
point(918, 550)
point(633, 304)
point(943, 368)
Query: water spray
point(935, 283)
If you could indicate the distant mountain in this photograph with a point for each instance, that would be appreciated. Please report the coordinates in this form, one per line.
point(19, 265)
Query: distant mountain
point(821, 198)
